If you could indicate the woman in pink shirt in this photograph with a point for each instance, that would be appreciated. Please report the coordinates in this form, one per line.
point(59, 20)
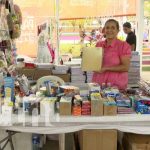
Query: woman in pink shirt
point(116, 59)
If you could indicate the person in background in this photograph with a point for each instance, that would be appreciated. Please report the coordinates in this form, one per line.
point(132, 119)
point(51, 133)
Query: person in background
point(99, 34)
point(116, 58)
point(131, 37)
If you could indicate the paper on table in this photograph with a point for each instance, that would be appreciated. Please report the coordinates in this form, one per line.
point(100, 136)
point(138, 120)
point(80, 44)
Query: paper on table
point(92, 59)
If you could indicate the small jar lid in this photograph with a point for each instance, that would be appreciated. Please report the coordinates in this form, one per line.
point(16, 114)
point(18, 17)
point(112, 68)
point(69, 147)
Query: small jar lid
point(20, 59)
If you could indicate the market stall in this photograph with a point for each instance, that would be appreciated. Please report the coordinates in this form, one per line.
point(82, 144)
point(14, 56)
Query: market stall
point(52, 108)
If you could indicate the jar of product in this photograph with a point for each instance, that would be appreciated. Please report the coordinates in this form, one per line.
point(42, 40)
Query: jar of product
point(20, 63)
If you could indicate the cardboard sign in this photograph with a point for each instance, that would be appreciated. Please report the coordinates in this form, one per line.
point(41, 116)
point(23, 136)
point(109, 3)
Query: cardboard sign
point(92, 59)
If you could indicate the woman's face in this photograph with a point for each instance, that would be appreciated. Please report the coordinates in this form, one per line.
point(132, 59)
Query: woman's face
point(111, 30)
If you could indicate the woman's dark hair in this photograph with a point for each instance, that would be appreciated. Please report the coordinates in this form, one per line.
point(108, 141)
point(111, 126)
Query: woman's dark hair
point(113, 20)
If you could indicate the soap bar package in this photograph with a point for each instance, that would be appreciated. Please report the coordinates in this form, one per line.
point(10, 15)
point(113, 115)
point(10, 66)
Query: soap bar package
point(65, 106)
point(96, 108)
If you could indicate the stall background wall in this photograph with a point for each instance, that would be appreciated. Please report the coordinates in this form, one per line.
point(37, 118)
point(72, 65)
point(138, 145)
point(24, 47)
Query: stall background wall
point(36, 11)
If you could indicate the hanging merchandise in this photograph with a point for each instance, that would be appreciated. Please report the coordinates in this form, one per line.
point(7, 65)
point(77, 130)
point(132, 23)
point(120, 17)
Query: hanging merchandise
point(4, 33)
point(13, 53)
point(43, 50)
point(18, 13)
point(52, 51)
point(14, 21)
point(23, 84)
point(3, 62)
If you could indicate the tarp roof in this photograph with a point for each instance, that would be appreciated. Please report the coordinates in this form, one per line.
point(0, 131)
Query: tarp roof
point(96, 8)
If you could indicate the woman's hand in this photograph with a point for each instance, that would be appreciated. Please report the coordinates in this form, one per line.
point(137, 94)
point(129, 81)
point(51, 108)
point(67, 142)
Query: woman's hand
point(103, 69)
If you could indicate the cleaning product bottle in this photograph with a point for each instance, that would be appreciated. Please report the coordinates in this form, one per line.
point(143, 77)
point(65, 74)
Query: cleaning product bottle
point(35, 142)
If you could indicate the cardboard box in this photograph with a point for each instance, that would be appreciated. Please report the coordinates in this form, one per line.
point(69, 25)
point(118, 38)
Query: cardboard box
point(65, 77)
point(65, 106)
point(136, 142)
point(98, 139)
point(41, 72)
point(110, 110)
point(96, 108)
point(29, 73)
point(65, 109)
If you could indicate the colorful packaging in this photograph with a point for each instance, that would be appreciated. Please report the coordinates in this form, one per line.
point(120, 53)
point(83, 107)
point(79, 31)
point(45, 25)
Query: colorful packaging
point(9, 88)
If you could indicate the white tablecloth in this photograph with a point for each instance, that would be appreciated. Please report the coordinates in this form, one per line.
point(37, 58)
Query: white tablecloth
point(57, 124)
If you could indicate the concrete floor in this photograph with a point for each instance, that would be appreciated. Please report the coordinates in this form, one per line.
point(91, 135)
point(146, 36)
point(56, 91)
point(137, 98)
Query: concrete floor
point(51, 145)
point(54, 144)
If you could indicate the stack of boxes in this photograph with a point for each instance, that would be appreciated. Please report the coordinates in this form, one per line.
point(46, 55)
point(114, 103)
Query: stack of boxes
point(89, 76)
point(142, 104)
point(95, 103)
point(76, 109)
point(60, 69)
point(77, 75)
point(86, 107)
point(124, 105)
point(134, 70)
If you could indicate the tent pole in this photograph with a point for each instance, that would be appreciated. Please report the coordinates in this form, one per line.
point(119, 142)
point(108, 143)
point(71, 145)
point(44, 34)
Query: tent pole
point(57, 30)
point(140, 28)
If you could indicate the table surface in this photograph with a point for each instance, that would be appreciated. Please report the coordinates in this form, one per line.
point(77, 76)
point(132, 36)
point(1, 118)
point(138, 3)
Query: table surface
point(63, 124)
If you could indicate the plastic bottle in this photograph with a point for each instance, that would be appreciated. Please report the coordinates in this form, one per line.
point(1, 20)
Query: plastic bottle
point(35, 142)
point(103, 86)
point(108, 85)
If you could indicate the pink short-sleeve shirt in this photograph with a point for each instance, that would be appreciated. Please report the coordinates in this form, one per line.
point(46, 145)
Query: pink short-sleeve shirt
point(112, 55)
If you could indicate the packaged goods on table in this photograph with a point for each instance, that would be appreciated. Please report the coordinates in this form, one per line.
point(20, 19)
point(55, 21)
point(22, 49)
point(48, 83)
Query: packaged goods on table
point(65, 106)
point(124, 105)
point(9, 87)
point(96, 104)
point(60, 69)
point(86, 107)
point(77, 103)
point(110, 108)
point(134, 70)
point(77, 75)
point(47, 106)
point(31, 105)
point(142, 104)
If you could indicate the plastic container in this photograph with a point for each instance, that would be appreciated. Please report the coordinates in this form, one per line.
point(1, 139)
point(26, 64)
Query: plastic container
point(36, 142)
point(20, 63)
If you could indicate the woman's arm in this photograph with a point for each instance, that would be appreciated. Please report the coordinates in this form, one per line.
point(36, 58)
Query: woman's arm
point(123, 67)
